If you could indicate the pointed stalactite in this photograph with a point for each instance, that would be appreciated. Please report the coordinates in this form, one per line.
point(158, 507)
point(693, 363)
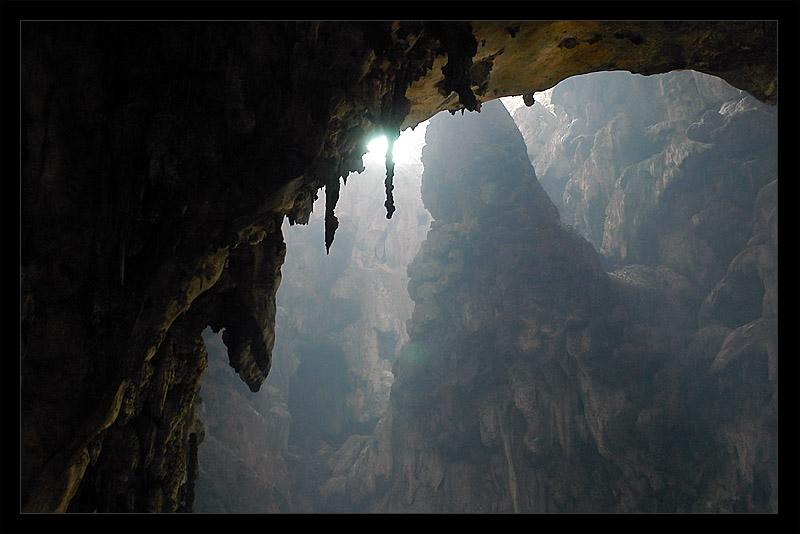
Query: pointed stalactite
point(331, 222)
point(390, 176)
point(528, 99)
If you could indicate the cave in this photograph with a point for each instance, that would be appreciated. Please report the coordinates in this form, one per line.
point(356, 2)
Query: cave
point(159, 163)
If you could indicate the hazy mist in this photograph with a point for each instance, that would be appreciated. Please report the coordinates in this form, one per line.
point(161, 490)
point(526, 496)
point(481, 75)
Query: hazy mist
point(573, 309)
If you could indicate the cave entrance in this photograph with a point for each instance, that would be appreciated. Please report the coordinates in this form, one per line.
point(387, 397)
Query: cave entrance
point(599, 150)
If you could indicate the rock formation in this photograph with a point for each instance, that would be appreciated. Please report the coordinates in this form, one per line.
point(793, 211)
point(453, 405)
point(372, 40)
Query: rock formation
point(699, 205)
point(535, 382)
point(159, 161)
point(633, 163)
point(340, 322)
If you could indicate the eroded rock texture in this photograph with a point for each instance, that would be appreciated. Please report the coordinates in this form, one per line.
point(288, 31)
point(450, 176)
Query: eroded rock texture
point(536, 382)
point(159, 161)
point(699, 204)
point(635, 164)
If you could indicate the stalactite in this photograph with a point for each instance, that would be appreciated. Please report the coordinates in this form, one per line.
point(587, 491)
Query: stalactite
point(528, 99)
point(331, 222)
point(390, 176)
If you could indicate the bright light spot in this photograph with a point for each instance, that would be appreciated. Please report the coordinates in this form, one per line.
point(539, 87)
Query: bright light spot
point(545, 99)
point(512, 103)
point(378, 146)
point(407, 148)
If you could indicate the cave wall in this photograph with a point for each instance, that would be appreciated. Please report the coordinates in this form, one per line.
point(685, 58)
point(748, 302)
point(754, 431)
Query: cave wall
point(159, 160)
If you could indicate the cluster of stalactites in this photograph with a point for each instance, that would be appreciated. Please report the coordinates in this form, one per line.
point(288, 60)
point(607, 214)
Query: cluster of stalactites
point(333, 187)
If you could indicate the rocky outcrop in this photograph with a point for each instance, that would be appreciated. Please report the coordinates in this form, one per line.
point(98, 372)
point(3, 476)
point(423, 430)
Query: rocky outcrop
point(160, 159)
point(703, 206)
point(481, 335)
point(634, 164)
point(535, 382)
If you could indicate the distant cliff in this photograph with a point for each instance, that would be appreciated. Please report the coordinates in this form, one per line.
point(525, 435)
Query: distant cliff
point(528, 373)
point(536, 382)
point(659, 170)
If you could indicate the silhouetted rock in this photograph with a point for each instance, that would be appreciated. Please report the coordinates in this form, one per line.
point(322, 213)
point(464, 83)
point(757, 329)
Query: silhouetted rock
point(159, 160)
point(531, 374)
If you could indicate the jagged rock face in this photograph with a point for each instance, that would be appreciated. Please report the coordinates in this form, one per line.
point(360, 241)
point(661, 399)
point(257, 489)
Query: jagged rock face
point(486, 322)
point(160, 159)
point(500, 288)
point(532, 377)
point(629, 162)
point(702, 208)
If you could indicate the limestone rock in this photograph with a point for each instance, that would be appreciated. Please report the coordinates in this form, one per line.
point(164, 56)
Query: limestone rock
point(155, 153)
point(659, 175)
point(530, 372)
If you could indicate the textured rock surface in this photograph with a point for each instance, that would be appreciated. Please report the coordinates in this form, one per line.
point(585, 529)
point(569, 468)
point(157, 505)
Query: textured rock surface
point(699, 203)
point(480, 335)
point(630, 162)
point(532, 377)
point(159, 160)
